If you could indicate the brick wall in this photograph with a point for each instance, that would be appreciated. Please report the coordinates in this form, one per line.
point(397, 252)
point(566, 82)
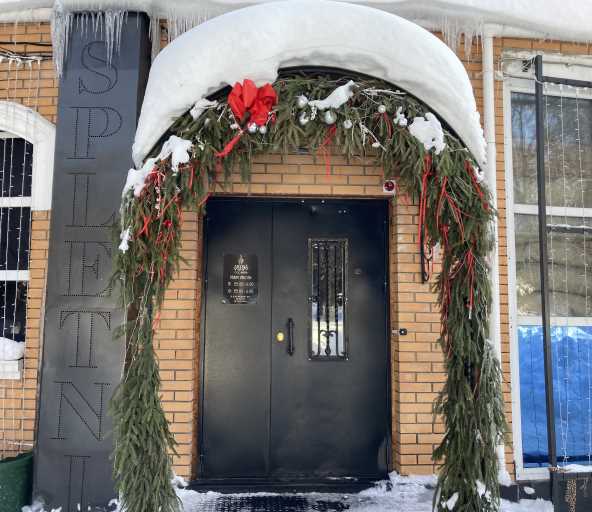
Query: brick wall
point(35, 87)
point(18, 399)
point(20, 84)
point(177, 346)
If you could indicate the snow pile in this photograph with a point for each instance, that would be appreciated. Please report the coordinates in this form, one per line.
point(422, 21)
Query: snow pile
point(11, 350)
point(503, 477)
point(125, 237)
point(576, 468)
point(306, 32)
point(39, 506)
point(410, 494)
point(428, 131)
point(400, 118)
point(200, 106)
point(137, 177)
point(338, 97)
point(451, 503)
point(177, 148)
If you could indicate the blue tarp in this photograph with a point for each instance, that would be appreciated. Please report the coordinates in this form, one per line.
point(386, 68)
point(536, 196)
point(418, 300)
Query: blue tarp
point(572, 384)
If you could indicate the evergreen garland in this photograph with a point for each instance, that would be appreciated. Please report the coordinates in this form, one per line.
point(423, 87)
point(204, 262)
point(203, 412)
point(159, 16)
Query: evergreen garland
point(455, 215)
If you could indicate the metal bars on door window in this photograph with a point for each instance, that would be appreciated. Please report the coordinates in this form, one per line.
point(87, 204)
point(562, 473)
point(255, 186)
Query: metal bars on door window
point(328, 297)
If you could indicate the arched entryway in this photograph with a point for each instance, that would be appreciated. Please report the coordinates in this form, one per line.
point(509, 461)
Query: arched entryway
point(150, 192)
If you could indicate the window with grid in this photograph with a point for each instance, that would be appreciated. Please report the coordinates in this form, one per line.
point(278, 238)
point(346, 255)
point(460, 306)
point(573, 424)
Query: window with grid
point(15, 221)
point(568, 169)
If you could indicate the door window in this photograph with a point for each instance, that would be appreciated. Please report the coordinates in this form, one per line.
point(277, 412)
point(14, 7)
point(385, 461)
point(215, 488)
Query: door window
point(328, 266)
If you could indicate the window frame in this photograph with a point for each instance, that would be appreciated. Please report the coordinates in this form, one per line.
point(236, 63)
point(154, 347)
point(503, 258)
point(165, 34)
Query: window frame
point(25, 123)
point(560, 66)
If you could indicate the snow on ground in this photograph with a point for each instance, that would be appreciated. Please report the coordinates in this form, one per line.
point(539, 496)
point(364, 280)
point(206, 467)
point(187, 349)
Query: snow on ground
point(399, 493)
point(259, 40)
point(407, 494)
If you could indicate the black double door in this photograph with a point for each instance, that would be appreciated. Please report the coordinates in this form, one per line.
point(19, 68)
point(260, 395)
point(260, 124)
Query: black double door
point(295, 357)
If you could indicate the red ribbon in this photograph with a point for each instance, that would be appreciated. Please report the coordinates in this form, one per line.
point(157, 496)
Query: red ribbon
point(423, 198)
point(331, 131)
point(457, 213)
point(478, 189)
point(230, 145)
point(470, 259)
point(387, 122)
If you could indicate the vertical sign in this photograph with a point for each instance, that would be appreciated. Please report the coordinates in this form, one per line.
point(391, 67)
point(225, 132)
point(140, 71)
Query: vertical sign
point(82, 363)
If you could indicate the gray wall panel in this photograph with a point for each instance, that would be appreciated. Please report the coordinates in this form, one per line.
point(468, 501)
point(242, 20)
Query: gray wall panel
point(82, 363)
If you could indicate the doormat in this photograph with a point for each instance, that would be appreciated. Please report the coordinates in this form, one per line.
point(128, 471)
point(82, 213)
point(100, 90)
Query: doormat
point(272, 503)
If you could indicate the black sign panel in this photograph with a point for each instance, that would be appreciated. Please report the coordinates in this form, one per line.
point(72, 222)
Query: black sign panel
point(82, 363)
point(240, 279)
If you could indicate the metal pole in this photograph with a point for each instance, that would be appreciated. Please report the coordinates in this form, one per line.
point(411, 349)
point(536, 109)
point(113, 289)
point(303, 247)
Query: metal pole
point(544, 270)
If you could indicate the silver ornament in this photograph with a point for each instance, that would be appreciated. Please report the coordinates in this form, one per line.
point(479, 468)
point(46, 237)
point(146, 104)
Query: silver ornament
point(301, 101)
point(252, 128)
point(303, 119)
point(381, 109)
point(330, 117)
point(347, 124)
point(263, 130)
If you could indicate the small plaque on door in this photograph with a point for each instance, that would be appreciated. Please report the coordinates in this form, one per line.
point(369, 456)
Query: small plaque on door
point(240, 279)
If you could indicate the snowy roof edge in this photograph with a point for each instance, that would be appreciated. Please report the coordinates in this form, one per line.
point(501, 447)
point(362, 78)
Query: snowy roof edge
point(566, 20)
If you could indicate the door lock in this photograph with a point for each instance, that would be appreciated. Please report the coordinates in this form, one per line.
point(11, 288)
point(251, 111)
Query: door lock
point(279, 336)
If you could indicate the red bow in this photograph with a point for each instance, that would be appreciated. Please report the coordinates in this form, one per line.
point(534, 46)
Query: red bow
point(249, 104)
point(257, 102)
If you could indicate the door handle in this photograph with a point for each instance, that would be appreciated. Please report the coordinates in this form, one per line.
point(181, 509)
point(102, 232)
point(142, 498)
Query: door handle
point(290, 336)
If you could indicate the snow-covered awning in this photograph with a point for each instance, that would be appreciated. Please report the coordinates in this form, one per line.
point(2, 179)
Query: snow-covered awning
point(257, 41)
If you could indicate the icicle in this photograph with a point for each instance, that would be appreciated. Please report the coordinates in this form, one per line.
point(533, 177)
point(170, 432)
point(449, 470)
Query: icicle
point(113, 22)
point(179, 23)
point(106, 24)
point(61, 24)
point(154, 34)
point(453, 28)
point(472, 33)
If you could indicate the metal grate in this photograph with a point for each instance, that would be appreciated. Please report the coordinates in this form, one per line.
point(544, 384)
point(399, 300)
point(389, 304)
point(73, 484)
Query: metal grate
point(328, 297)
